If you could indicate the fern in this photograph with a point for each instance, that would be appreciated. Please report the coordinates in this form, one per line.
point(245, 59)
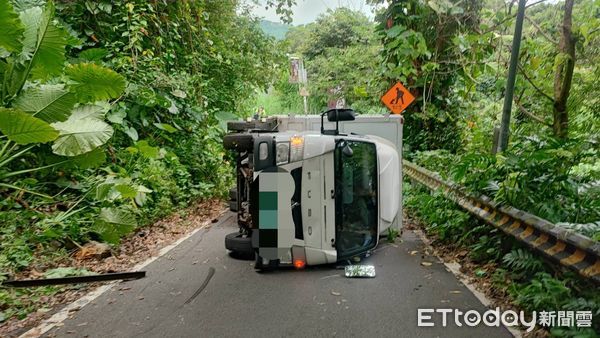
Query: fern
point(542, 292)
point(522, 262)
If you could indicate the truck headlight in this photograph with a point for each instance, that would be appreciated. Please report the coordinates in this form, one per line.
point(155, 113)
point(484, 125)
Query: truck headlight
point(283, 153)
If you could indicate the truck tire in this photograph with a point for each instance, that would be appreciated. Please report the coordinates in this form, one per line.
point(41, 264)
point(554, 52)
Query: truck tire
point(236, 126)
point(239, 244)
point(238, 142)
point(233, 206)
point(239, 125)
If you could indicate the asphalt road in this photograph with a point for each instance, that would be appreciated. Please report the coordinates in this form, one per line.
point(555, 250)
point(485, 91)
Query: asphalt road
point(237, 301)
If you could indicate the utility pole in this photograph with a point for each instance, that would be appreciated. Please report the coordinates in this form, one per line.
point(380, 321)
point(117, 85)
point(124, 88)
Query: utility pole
point(510, 81)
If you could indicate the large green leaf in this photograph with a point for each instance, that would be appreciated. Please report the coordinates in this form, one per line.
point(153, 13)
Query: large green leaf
point(94, 83)
point(113, 223)
point(91, 159)
point(87, 111)
point(12, 29)
point(51, 103)
point(44, 43)
point(23, 128)
point(31, 19)
point(50, 57)
point(79, 136)
point(93, 54)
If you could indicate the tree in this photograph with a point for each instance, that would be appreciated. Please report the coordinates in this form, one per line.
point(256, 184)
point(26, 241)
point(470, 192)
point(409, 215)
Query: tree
point(564, 73)
point(424, 42)
point(342, 56)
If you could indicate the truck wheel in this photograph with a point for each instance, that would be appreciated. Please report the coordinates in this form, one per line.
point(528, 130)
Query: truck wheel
point(239, 244)
point(239, 125)
point(238, 142)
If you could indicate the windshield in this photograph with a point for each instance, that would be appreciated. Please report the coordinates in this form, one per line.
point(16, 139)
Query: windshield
point(356, 197)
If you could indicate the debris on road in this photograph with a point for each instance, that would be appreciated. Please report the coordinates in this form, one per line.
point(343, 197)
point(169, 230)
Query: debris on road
point(24, 283)
point(94, 250)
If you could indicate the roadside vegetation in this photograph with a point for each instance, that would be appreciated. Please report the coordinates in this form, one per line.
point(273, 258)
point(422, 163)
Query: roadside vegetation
point(111, 118)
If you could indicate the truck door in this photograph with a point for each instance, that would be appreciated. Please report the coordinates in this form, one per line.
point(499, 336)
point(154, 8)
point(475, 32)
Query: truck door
point(356, 197)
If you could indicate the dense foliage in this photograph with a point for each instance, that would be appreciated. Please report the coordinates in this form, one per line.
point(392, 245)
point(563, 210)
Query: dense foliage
point(542, 171)
point(112, 116)
point(341, 54)
point(459, 53)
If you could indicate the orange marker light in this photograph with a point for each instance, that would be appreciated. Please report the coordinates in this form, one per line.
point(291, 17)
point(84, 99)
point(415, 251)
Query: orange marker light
point(296, 140)
point(299, 264)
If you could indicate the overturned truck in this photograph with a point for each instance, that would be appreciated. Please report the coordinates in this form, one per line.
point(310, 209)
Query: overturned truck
point(311, 191)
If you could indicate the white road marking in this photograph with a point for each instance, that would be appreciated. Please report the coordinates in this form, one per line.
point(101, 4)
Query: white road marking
point(63, 314)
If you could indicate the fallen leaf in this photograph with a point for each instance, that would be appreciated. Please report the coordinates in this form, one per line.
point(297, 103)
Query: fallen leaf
point(336, 293)
point(455, 291)
point(414, 252)
point(426, 263)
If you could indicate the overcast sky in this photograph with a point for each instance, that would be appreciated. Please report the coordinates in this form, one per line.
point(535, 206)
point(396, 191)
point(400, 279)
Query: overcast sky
point(306, 11)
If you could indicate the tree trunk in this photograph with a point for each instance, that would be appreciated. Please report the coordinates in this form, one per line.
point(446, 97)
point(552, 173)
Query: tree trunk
point(564, 73)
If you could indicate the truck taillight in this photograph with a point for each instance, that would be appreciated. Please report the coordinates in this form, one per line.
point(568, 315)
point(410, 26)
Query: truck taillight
point(299, 264)
point(298, 257)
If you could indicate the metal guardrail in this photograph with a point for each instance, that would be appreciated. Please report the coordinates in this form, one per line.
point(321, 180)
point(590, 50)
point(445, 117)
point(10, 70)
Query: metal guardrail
point(561, 245)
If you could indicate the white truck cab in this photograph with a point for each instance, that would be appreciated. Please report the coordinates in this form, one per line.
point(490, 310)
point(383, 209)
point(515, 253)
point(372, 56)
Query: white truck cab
point(309, 197)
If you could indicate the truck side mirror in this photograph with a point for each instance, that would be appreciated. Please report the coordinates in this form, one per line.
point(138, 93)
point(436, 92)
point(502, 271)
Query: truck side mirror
point(347, 151)
point(336, 115)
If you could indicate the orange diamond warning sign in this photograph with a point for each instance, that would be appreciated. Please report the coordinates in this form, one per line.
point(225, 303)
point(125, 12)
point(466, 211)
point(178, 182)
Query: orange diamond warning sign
point(397, 98)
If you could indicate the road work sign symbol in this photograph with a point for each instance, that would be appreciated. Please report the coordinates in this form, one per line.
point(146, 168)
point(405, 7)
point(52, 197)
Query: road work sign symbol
point(397, 98)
